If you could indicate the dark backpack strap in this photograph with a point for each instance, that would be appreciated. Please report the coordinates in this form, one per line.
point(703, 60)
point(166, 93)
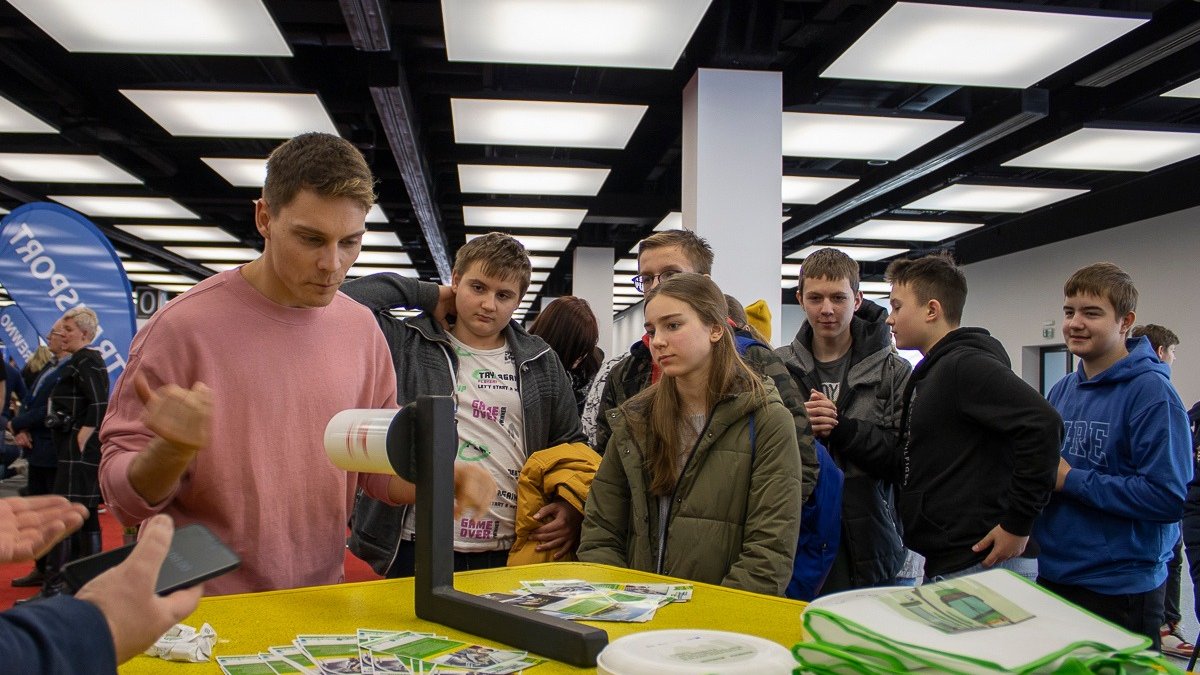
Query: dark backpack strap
point(750, 474)
point(753, 442)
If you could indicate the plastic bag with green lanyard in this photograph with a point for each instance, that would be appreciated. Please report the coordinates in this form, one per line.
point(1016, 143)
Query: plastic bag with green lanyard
point(992, 622)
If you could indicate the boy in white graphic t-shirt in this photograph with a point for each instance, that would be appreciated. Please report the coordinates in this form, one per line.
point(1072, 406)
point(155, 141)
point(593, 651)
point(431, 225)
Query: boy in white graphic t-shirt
point(513, 397)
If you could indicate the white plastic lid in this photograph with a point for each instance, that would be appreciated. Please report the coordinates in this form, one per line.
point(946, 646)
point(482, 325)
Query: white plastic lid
point(691, 652)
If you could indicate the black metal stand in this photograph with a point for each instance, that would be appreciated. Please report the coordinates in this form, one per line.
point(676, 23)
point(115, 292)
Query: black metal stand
point(421, 447)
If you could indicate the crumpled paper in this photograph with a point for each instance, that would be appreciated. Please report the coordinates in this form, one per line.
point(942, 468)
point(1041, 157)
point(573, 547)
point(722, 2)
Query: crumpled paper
point(184, 643)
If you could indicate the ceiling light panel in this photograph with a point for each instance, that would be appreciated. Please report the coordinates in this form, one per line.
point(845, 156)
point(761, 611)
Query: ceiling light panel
point(1112, 150)
point(858, 136)
point(214, 235)
point(671, 221)
point(14, 120)
point(812, 189)
point(210, 27)
point(53, 168)
point(992, 198)
point(543, 262)
point(975, 46)
point(1189, 90)
point(376, 215)
point(627, 292)
point(398, 258)
point(233, 114)
point(530, 180)
point(126, 207)
point(907, 230)
point(601, 33)
point(541, 277)
point(174, 288)
point(144, 278)
point(381, 239)
point(239, 172)
point(140, 266)
point(220, 253)
point(544, 123)
point(536, 243)
point(881, 287)
point(862, 253)
point(253, 173)
point(505, 216)
point(626, 265)
point(362, 271)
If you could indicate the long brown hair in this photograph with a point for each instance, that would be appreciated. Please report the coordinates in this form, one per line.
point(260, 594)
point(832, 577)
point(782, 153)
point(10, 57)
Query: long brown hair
point(569, 327)
point(657, 408)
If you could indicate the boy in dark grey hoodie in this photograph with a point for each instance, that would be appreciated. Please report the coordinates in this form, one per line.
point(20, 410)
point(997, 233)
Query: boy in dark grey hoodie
point(842, 359)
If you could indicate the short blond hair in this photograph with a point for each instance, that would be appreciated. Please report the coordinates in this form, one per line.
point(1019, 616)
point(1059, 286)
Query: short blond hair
point(695, 247)
point(85, 319)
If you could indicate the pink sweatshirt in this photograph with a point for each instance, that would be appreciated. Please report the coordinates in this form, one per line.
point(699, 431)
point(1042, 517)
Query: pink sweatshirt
point(278, 374)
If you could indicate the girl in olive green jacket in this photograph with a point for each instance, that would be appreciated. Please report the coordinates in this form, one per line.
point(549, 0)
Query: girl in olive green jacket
point(701, 477)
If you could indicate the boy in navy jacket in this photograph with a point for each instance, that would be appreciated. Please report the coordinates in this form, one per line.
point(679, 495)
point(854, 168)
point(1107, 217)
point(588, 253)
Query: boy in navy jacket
point(1107, 533)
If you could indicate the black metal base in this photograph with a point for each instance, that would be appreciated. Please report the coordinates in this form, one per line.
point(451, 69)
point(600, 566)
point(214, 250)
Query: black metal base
point(426, 429)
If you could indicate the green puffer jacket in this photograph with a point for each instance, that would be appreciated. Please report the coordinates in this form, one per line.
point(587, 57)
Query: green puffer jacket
point(632, 374)
point(729, 523)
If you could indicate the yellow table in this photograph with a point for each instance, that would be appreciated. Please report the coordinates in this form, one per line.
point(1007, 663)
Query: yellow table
point(249, 623)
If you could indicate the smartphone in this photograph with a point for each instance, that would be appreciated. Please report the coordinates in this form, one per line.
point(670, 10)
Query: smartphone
point(195, 555)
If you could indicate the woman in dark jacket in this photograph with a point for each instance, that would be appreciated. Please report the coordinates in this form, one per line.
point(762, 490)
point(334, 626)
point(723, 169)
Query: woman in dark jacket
point(569, 327)
point(77, 406)
point(31, 432)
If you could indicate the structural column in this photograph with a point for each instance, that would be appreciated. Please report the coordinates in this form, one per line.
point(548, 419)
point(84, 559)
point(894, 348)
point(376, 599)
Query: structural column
point(732, 179)
point(592, 280)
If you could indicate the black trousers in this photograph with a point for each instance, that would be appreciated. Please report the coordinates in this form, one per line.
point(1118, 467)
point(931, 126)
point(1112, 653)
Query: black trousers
point(41, 482)
point(405, 564)
point(1136, 612)
point(1174, 570)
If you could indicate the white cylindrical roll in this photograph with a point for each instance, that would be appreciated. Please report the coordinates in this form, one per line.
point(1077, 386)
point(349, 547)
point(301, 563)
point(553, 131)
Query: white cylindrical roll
point(356, 440)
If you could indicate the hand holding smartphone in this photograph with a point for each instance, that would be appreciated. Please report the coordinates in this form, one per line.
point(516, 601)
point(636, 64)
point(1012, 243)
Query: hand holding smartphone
point(196, 555)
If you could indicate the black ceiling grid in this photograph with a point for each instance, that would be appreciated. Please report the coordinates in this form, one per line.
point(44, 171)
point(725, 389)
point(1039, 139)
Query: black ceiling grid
point(1118, 84)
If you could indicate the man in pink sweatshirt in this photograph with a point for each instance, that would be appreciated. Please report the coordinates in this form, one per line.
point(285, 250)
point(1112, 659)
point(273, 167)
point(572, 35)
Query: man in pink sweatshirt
point(220, 414)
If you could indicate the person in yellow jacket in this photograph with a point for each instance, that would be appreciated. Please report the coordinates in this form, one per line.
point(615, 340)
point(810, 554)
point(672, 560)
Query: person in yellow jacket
point(563, 472)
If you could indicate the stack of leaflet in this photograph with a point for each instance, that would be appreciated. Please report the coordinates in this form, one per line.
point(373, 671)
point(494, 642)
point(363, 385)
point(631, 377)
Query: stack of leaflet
point(379, 652)
point(994, 621)
point(579, 600)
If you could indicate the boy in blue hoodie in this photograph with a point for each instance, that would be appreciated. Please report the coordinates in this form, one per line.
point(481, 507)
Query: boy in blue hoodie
point(1107, 533)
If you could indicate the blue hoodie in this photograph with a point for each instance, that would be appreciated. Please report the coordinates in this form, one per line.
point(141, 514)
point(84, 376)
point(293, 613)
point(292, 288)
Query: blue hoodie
point(1126, 437)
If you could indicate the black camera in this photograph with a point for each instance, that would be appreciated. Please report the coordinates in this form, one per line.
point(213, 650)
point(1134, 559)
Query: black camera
point(58, 419)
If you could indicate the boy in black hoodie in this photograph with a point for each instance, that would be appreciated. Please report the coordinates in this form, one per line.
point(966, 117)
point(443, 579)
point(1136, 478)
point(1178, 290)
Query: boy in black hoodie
point(978, 452)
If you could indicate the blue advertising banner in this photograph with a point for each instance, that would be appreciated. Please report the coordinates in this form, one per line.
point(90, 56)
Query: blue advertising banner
point(53, 259)
point(18, 334)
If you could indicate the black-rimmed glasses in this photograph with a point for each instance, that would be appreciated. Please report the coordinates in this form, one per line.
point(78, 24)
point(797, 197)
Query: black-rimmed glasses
point(641, 281)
